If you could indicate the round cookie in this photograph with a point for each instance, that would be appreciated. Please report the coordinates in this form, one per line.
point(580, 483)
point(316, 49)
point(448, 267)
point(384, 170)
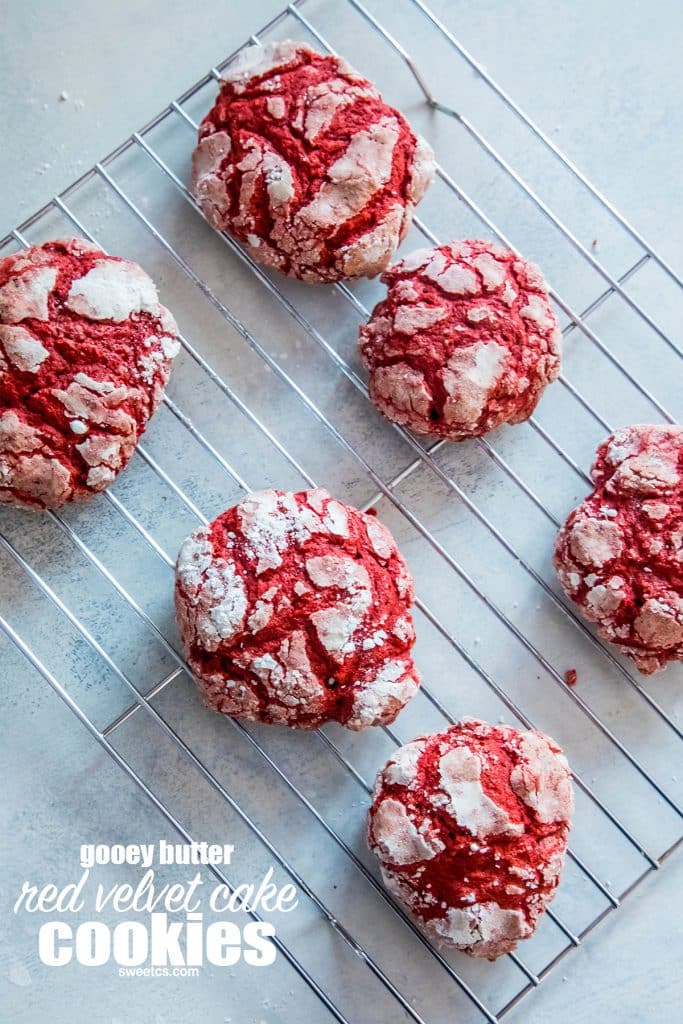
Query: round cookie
point(304, 163)
point(85, 353)
point(465, 340)
point(470, 826)
point(619, 554)
point(294, 609)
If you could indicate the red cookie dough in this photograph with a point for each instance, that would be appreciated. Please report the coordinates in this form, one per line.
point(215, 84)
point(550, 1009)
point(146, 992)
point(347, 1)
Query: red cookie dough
point(619, 555)
point(470, 826)
point(302, 160)
point(465, 340)
point(85, 354)
point(295, 609)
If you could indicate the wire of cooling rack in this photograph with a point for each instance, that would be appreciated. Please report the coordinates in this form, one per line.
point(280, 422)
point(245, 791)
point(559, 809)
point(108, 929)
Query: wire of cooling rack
point(547, 142)
point(123, 764)
point(615, 287)
point(385, 490)
point(424, 457)
point(510, 171)
point(446, 178)
point(377, 480)
point(391, 497)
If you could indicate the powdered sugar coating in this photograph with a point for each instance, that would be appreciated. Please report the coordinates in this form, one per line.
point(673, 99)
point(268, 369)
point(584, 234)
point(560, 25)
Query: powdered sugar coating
point(302, 160)
point(85, 353)
point(465, 340)
point(112, 290)
point(619, 554)
point(470, 826)
point(295, 609)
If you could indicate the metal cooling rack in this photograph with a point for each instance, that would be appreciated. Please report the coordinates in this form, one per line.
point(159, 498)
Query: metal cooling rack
point(269, 392)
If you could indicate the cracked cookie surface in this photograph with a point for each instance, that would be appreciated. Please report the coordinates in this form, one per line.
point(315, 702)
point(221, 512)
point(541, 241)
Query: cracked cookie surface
point(85, 353)
point(619, 555)
point(465, 340)
point(294, 609)
point(305, 164)
point(470, 827)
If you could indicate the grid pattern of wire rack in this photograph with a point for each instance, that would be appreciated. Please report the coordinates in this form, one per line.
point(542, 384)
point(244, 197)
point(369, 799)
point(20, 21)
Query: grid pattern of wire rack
point(268, 391)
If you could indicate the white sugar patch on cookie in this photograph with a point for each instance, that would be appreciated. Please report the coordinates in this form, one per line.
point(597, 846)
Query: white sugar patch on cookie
point(321, 103)
point(367, 163)
point(605, 598)
point(595, 541)
point(482, 927)
point(660, 623)
point(289, 677)
point(413, 261)
point(260, 59)
point(337, 625)
point(276, 107)
point(215, 590)
point(470, 375)
point(454, 278)
point(267, 523)
point(380, 697)
point(112, 290)
point(24, 351)
point(408, 319)
point(39, 478)
point(541, 779)
point(380, 538)
point(210, 154)
point(271, 521)
point(397, 836)
point(647, 473)
point(460, 775)
point(401, 770)
point(194, 559)
point(367, 255)
point(536, 309)
point(98, 402)
point(492, 272)
point(16, 435)
point(333, 513)
point(26, 296)
point(101, 450)
point(224, 590)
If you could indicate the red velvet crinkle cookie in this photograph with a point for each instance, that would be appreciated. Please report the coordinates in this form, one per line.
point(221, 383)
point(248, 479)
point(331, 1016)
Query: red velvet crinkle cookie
point(302, 160)
point(85, 353)
point(619, 555)
point(470, 826)
point(465, 340)
point(295, 609)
